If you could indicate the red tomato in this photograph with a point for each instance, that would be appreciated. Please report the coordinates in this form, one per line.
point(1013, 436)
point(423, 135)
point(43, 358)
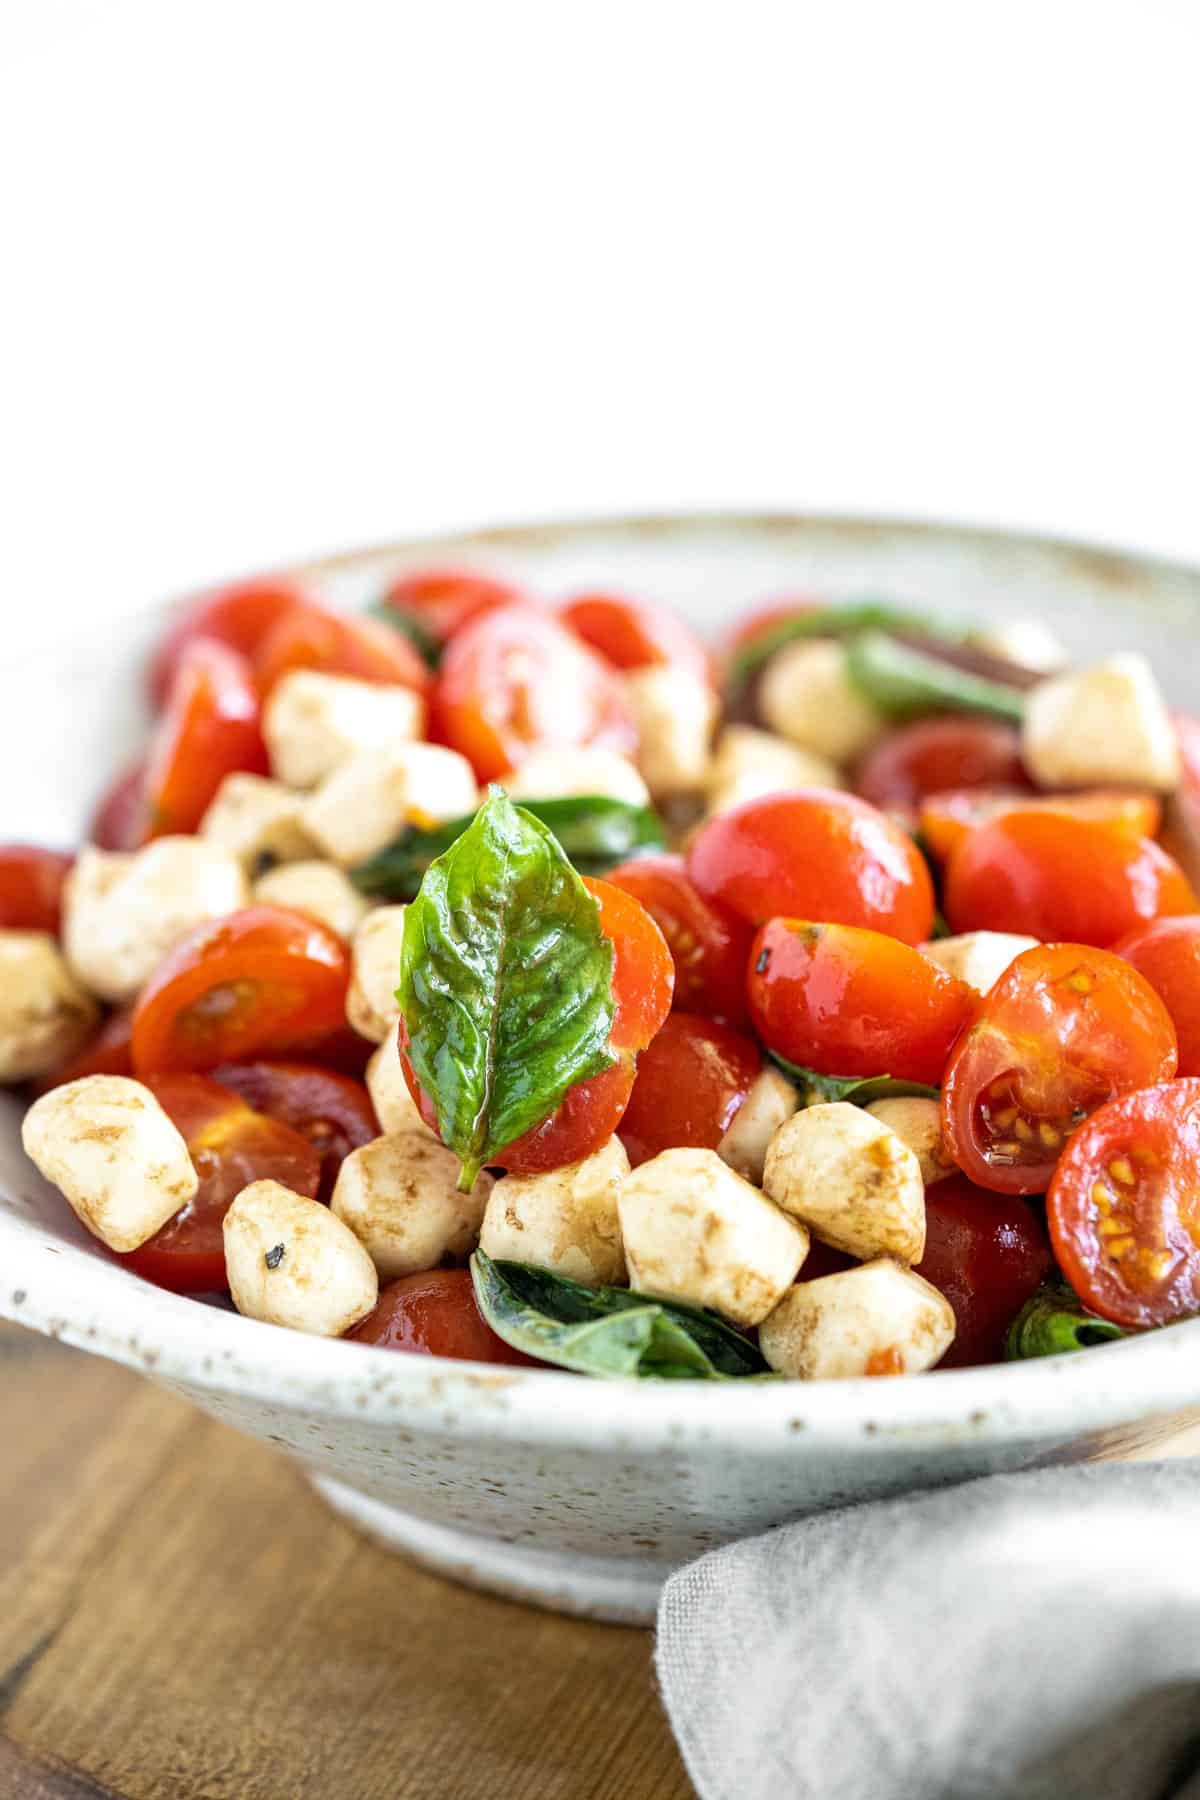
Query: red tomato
point(690, 1082)
point(238, 616)
point(643, 977)
point(988, 1255)
point(314, 637)
point(210, 729)
point(931, 754)
point(120, 819)
point(435, 1315)
point(1065, 1029)
point(256, 982)
point(946, 819)
point(586, 1118)
point(763, 619)
point(814, 854)
point(1181, 830)
point(31, 884)
point(633, 634)
point(442, 601)
point(1056, 877)
point(230, 1146)
point(108, 1053)
point(1124, 1207)
point(331, 1111)
point(845, 1001)
point(1167, 953)
point(709, 944)
point(515, 680)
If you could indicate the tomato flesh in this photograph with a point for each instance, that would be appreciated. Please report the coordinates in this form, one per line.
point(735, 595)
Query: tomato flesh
point(210, 729)
point(933, 754)
point(332, 1112)
point(435, 1315)
point(643, 977)
point(691, 1081)
point(442, 601)
point(314, 637)
point(1065, 1029)
point(632, 634)
point(119, 822)
point(945, 819)
point(1167, 953)
point(239, 617)
point(708, 943)
point(988, 1254)
point(31, 885)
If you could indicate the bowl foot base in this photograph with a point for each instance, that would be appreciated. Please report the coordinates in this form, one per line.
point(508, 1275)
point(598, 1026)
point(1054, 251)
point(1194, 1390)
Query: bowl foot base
point(619, 1590)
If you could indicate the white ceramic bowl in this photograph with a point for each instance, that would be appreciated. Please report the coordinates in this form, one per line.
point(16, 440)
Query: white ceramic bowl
point(575, 1494)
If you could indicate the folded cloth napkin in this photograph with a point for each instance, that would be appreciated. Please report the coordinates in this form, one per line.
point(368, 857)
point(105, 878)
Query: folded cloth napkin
point(1021, 1637)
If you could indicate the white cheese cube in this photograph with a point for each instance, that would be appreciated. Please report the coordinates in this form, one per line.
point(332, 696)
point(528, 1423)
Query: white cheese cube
point(771, 1100)
point(313, 723)
point(1029, 642)
point(394, 1106)
point(45, 1016)
point(674, 711)
point(291, 1262)
point(562, 771)
point(748, 764)
point(917, 1122)
point(400, 1198)
point(695, 1231)
point(371, 1004)
point(564, 1220)
point(1101, 727)
point(878, 1319)
point(806, 694)
point(258, 821)
point(319, 889)
point(850, 1180)
point(108, 1146)
point(979, 958)
point(364, 806)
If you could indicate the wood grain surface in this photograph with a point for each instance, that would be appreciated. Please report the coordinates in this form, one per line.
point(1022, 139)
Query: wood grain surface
point(181, 1619)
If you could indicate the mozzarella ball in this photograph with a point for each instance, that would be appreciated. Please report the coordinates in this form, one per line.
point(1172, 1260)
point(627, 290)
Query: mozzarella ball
point(674, 711)
point(121, 913)
point(878, 1319)
point(979, 958)
point(564, 1220)
point(917, 1122)
point(291, 1262)
point(258, 821)
point(853, 1182)
point(45, 1016)
point(319, 889)
point(806, 694)
point(108, 1146)
point(365, 805)
point(313, 723)
point(394, 1106)
point(1029, 642)
point(400, 1198)
point(563, 771)
point(371, 1004)
point(695, 1231)
point(1100, 727)
point(771, 1100)
point(748, 764)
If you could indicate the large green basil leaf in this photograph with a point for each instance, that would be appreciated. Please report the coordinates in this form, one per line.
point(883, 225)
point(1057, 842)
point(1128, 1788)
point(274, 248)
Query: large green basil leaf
point(859, 1090)
point(905, 683)
point(595, 832)
point(835, 621)
point(505, 982)
point(607, 1331)
point(1053, 1323)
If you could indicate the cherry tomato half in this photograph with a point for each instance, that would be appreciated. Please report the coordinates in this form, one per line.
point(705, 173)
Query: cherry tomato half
point(239, 617)
point(846, 1001)
point(1167, 953)
point(435, 1315)
point(988, 1254)
point(690, 1082)
point(210, 729)
point(1065, 1029)
point(441, 601)
point(708, 943)
point(230, 1146)
point(1181, 827)
point(932, 754)
point(31, 884)
point(332, 1112)
point(633, 634)
point(643, 976)
point(256, 982)
point(119, 822)
point(315, 637)
point(515, 680)
point(945, 819)
point(108, 1053)
point(1055, 877)
point(814, 854)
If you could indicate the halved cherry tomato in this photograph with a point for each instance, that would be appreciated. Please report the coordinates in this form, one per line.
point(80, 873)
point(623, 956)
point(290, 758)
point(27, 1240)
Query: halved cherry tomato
point(119, 822)
point(1065, 1029)
point(708, 943)
point(442, 601)
point(932, 754)
point(633, 634)
point(1167, 953)
point(31, 884)
point(945, 819)
point(210, 729)
point(254, 983)
point(1064, 878)
point(1124, 1207)
point(643, 977)
point(230, 1146)
point(435, 1315)
point(331, 1111)
point(583, 1122)
point(315, 637)
point(515, 680)
point(1181, 824)
point(108, 1053)
point(846, 1001)
point(239, 617)
point(691, 1080)
point(814, 854)
point(987, 1254)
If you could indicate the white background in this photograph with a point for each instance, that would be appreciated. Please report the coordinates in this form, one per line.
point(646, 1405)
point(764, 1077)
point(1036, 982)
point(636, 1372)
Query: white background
point(278, 278)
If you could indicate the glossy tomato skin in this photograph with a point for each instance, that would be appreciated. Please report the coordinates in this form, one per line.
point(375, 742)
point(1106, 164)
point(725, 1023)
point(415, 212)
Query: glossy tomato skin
point(643, 977)
point(946, 818)
point(1061, 878)
point(932, 754)
point(316, 637)
point(1124, 1207)
point(332, 1112)
point(1065, 1029)
point(255, 983)
point(109, 1052)
point(633, 634)
point(845, 1001)
point(442, 601)
point(814, 854)
point(435, 1315)
point(1167, 953)
point(209, 729)
point(988, 1254)
point(230, 1146)
point(691, 1081)
point(583, 1122)
point(31, 884)
point(119, 822)
point(708, 943)
point(516, 680)
point(239, 617)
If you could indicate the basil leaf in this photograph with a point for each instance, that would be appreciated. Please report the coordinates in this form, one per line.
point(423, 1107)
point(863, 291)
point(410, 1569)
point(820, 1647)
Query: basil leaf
point(905, 682)
point(835, 621)
point(859, 1090)
point(607, 1331)
point(1053, 1323)
point(595, 832)
point(408, 625)
point(505, 982)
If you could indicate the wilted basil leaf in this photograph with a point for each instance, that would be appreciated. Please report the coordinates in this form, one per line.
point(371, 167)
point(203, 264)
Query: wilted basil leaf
point(859, 1090)
point(905, 682)
point(1053, 1322)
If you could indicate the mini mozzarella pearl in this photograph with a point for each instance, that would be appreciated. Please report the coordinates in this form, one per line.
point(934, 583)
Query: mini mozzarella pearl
point(319, 889)
point(371, 1004)
point(365, 805)
point(108, 1146)
point(313, 723)
point(851, 1181)
point(879, 1319)
point(291, 1262)
point(562, 772)
point(45, 1016)
point(979, 958)
point(564, 1220)
point(674, 711)
point(917, 1122)
point(772, 1099)
point(807, 696)
point(257, 821)
point(394, 1106)
point(400, 1198)
point(1103, 726)
point(1029, 642)
point(748, 764)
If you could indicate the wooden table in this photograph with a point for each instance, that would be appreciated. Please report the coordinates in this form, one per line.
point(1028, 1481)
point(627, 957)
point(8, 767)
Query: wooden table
point(181, 1619)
